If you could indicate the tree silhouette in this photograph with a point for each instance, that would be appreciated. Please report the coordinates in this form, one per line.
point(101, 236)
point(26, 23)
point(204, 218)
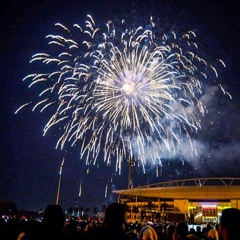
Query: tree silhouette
point(95, 211)
point(70, 211)
point(81, 210)
point(76, 210)
point(7, 207)
point(104, 208)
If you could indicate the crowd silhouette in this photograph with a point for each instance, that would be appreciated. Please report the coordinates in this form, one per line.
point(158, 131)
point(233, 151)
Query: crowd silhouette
point(54, 226)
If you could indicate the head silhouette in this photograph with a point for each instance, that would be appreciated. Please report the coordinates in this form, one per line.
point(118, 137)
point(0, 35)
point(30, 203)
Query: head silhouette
point(115, 215)
point(148, 233)
point(182, 229)
point(54, 218)
point(230, 223)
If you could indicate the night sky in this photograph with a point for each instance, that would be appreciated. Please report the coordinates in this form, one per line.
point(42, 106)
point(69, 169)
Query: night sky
point(29, 163)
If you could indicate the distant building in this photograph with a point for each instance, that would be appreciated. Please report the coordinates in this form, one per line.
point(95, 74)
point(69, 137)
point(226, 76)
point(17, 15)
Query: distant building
point(193, 200)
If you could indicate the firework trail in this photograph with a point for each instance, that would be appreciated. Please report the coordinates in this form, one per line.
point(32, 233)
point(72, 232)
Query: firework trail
point(121, 89)
point(80, 189)
point(106, 190)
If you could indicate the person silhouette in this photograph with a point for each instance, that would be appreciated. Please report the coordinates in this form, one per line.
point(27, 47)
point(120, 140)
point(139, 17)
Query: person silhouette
point(229, 227)
point(114, 228)
point(148, 233)
point(53, 223)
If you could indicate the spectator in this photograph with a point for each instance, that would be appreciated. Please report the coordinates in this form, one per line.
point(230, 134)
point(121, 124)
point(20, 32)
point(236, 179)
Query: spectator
point(114, 223)
point(193, 237)
point(53, 223)
point(159, 230)
point(198, 232)
point(133, 231)
point(213, 234)
point(31, 230)
point(181, 231)
point(148, 233)
point(230, 224)
point(170, 230)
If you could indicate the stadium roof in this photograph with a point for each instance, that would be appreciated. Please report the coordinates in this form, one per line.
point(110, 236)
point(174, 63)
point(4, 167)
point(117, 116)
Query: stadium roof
point(192, 189)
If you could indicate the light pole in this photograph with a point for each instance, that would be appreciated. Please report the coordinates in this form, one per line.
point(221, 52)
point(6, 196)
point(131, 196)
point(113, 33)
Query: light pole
point(59, 181)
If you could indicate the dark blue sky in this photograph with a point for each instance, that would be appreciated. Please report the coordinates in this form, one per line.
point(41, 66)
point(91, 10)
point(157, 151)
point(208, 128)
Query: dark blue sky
point(29, 163)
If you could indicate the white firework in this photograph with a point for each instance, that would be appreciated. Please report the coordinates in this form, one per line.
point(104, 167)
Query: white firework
point(121, 90)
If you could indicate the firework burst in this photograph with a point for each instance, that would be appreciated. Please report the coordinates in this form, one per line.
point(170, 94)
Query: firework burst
point(121, 90)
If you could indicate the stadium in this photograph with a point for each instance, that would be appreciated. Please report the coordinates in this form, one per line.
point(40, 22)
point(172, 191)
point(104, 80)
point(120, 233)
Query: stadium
point(199, 200)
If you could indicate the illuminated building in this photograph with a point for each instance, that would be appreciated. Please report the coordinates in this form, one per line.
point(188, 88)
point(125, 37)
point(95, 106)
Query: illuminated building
point(195, 200)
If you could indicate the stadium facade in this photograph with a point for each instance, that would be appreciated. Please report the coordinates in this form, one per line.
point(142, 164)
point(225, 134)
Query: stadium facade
point(193, 200)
